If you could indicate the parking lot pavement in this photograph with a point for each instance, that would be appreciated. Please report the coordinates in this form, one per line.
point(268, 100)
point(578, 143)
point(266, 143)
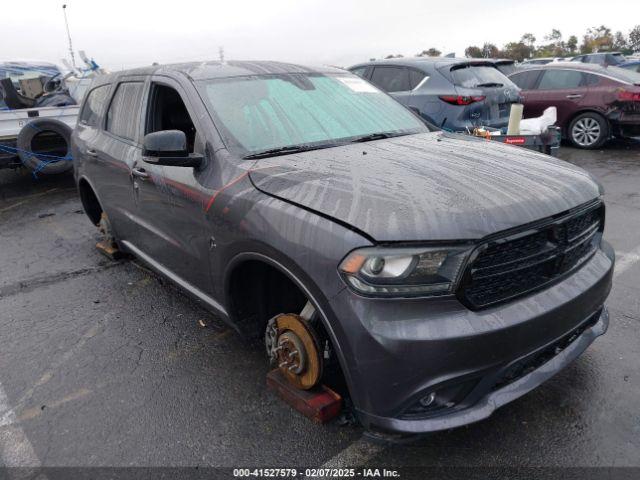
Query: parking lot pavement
point(102, 363)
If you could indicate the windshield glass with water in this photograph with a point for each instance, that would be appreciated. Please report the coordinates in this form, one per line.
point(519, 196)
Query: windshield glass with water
point(263, 113)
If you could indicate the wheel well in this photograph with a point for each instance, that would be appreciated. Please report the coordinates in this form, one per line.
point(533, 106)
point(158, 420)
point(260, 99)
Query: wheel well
point(258, 291)
point(90, 202)
point(588, 110)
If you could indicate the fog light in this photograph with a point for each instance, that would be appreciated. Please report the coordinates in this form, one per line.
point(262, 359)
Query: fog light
point(428, 399)
point(440, 400)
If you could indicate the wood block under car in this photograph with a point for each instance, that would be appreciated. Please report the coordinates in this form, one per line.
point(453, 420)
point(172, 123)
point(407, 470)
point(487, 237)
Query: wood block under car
point(109, 251)
point(320, 404)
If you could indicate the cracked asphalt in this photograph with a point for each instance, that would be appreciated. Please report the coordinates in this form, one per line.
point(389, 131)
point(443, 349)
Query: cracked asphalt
point(105, 364)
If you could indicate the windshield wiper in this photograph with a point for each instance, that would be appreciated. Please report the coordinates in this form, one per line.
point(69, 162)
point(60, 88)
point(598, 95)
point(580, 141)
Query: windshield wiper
point(274, 152)
point(375, 136)
point(489, 84)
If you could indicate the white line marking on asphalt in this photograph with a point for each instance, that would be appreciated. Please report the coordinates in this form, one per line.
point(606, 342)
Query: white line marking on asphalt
point(15, 448)
point(626, 261)
point(355, 455)
point(56, 364)
point(27, 198)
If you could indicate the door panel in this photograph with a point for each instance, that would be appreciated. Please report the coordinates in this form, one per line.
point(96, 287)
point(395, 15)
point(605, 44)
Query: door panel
point(170, 199)
point(564, 89)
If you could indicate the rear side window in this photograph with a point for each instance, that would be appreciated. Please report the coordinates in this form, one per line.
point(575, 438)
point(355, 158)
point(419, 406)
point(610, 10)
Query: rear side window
point(525, 80)
point(391, 79)
point(123, 117)
point(93, 106)
point(591, 79)
point(560, 79)
point(415, 77)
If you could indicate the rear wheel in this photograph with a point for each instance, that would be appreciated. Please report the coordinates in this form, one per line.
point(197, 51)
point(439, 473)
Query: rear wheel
point(588, 130)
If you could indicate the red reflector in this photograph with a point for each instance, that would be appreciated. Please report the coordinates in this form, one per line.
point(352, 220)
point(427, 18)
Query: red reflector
point(625, 96)
point(515, 140)
point(461, 100)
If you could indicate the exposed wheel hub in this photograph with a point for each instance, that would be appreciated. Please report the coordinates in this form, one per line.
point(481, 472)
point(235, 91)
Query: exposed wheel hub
point(293, 346)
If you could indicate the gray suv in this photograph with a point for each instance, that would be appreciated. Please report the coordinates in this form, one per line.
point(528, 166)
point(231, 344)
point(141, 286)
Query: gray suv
point(453, 93)
point(434, 275)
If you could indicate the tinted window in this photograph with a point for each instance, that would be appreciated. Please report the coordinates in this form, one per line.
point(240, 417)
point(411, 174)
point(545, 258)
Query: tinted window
point(506, 68)
point(359, 71)
point(559, 79)
point(525, 80)
point(123, 117)
point(391, 79)
point(471, 76)
point(94, 105)
point(591, 79)
point(415, 77)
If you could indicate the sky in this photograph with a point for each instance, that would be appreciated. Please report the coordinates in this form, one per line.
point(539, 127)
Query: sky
point(124, 34)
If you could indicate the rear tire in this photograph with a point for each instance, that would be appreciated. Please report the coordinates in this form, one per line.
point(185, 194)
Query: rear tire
point(588, 130)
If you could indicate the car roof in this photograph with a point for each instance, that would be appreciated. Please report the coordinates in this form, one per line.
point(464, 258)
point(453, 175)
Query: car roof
point(214, 69)
point(423, 62)
point(598, 53)
point(587, 67)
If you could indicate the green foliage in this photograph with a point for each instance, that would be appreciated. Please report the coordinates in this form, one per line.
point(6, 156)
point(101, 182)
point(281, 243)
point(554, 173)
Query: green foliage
point(473, 52)
point(432, 52)
point(596, 39)
point(634, 39)
point(517, 51)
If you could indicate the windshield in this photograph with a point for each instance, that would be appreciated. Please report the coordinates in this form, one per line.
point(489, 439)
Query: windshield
point(472, 76)
point(261, 113)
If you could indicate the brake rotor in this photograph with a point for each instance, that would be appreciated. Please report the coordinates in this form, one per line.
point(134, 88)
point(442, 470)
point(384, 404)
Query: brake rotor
point(297, 350)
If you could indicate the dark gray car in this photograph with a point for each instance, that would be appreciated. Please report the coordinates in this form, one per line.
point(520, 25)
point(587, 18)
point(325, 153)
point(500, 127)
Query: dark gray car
point(438, 275)
point(453, 93)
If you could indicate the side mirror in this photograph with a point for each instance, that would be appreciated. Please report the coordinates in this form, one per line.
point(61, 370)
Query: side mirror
point(169, 147)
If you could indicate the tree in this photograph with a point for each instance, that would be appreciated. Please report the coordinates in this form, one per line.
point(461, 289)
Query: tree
point(556, 47)
point(397, 55)
point(597, 39)
point(432, 52)
point(572, 44)
point(529, 40)
point(473, 52)
point(516, 51)
point(634, 39)
point(620, 43)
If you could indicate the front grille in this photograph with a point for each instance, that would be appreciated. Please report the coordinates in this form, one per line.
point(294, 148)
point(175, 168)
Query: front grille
point(530, 259)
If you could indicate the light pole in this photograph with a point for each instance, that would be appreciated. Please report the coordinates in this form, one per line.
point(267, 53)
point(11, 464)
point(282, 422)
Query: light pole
point(66, 22)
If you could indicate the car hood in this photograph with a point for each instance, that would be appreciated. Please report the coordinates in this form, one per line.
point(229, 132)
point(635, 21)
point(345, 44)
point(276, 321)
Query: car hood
point(432, 186)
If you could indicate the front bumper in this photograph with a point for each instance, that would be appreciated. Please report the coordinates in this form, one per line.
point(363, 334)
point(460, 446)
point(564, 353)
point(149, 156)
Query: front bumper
point(497, 398)
point(396, 351)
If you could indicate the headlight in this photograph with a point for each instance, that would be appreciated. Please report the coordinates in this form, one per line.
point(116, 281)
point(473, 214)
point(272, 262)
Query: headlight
point(404, 272)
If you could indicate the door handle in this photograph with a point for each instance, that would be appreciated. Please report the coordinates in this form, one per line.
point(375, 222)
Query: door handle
point(139, 172)
point(92, 153)
point(573, 96)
